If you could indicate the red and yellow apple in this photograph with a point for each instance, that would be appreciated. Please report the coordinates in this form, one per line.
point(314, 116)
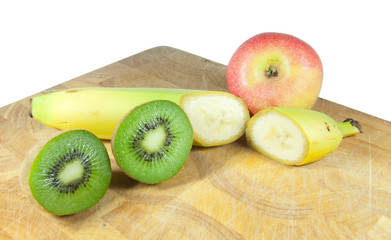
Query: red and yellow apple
point(275, 70)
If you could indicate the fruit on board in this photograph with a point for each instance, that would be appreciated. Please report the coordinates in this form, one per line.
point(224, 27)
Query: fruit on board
point(152, 143)
point(275, 70)
point(297, 136)
point(217, 118)
point(97, 110)
point(71, 173)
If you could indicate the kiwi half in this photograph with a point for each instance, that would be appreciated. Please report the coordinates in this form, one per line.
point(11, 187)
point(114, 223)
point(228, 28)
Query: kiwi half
point(71, 173)
point(151, 144)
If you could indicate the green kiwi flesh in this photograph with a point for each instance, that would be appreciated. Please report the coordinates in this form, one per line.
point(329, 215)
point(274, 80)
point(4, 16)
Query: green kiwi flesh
point(151, 144)
point(71, 173)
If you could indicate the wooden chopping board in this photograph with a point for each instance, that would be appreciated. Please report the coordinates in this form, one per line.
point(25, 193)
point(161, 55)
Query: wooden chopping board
point(226, 192)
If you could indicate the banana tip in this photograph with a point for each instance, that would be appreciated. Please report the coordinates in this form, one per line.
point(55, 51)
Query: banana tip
point(354, 123)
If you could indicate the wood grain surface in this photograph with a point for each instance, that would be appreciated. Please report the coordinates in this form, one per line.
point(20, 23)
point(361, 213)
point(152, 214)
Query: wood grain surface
point(226, 192)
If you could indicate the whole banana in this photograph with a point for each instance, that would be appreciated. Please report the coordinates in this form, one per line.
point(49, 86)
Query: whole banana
point(296, 136)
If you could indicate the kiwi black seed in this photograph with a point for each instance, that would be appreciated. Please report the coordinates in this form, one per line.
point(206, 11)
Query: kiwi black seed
point(71, 173)
point(151, 144)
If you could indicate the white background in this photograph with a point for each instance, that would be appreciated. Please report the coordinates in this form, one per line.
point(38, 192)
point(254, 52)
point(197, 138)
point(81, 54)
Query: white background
point(44, 43)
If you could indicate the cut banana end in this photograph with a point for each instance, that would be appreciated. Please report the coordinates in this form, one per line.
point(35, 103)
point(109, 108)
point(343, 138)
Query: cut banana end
point(277, 137)
point(217, 117)
point(296, 136)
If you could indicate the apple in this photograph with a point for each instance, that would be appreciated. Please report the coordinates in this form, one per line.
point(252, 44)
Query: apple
point(275, 70)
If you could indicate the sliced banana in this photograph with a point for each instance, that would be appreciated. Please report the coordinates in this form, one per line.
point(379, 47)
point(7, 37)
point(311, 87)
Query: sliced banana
point(278, 137)
point(217, 117)
point(296, 136)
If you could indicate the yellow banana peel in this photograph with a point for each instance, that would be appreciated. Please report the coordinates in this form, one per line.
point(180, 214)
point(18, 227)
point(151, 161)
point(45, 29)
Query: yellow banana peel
point(297, 136)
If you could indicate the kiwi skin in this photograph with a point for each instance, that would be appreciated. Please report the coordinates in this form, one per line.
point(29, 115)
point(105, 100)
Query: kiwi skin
point(178, 157)
point(82, 193)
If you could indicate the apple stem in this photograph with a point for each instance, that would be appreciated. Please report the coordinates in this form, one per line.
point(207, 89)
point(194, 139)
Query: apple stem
point(272, 71)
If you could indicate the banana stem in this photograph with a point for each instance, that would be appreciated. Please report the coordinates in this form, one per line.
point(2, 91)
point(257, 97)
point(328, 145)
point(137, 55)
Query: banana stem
point(349, 127)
